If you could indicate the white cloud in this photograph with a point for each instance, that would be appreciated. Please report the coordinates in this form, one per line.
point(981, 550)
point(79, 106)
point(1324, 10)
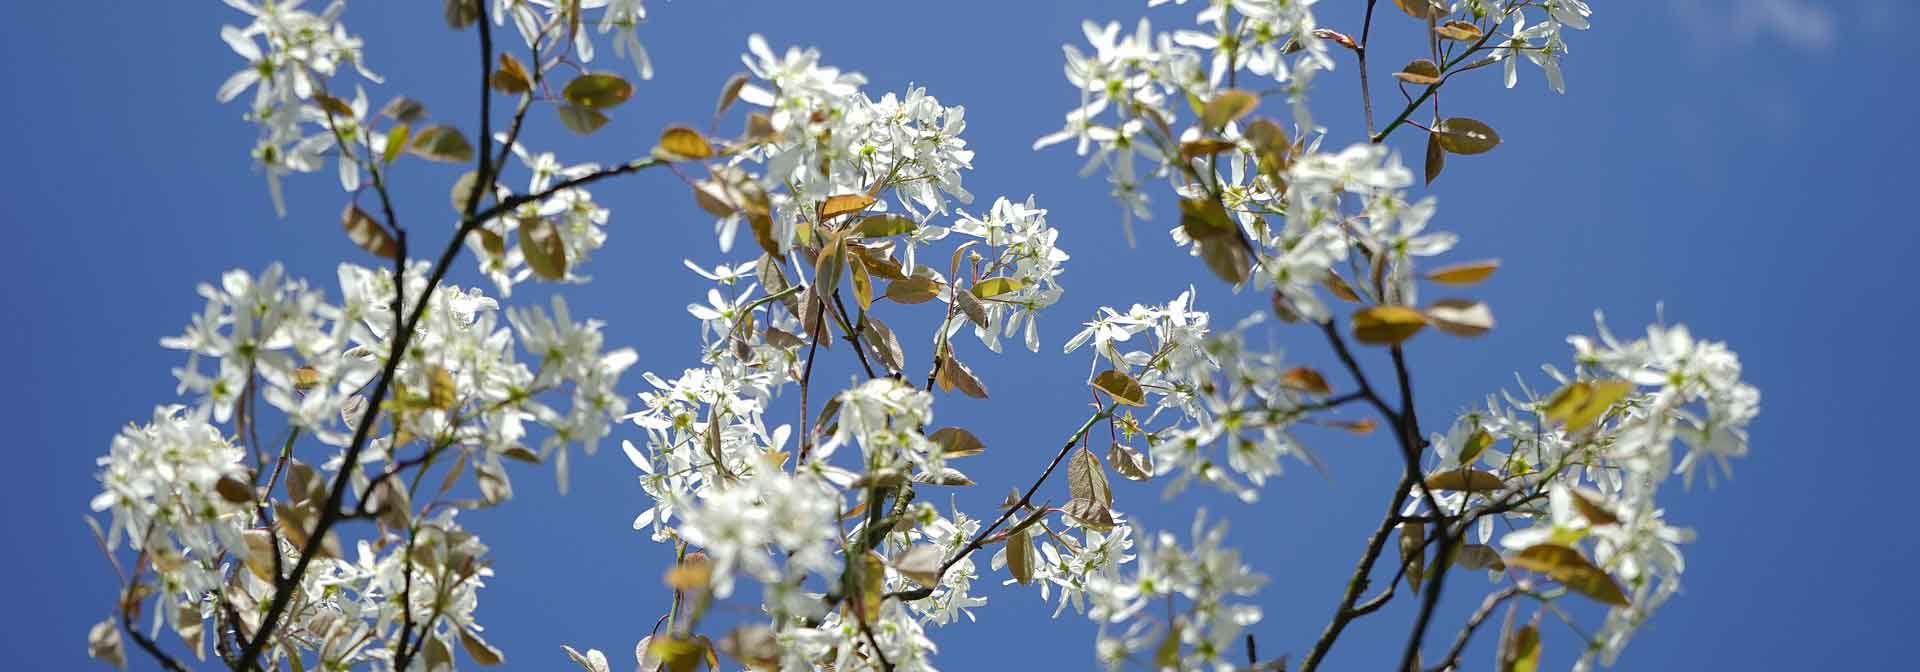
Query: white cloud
point(1800, 24)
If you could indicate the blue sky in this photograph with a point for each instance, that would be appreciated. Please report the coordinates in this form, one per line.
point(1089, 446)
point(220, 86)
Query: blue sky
point(1742, 161)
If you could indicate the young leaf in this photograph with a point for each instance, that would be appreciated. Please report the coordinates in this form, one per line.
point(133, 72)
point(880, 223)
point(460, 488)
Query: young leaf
point(368, 234)
point(1460, 317)
point(921, 563)
point(884, 344)
point(1305, 380)
point(404, 110)
point(1464, 135)
point(1089, 514)
point(597, 91)
point(1522, 651)
point(992, 287)
point(729, 92)
point(1020, 556)
point(1590, 507)
point(955, 374)
point(1476, 443)
point(828, 267)
point(479, 650)
point(581, 120)
point(1413, 552)
point(680, 142)
point(886, 224)
point(1478, 556)
point(1421, 72)
point(1419, 9)
point(1228, 105)
point(1582, 402)
point(969, 306)
point(1227, 259)
point(956, 442)
point(441, 143)
point(1086, 479)
point(862, 281)
point(1464, 273)
point(511, 77)
point(912, 290)
point(840, 204)
point(1133, 465)
point(1205, 219)
point(1458, 31)
point(1570, 568)
point(1387, 325)
point(546, 253)
point(1463, 479)
point(1122, 387)
point(1436, 158)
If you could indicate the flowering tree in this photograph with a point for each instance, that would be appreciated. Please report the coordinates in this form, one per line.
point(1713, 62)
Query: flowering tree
point(406, 398)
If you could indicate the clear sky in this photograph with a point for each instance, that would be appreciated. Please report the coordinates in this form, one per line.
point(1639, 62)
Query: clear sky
point(1743, 161)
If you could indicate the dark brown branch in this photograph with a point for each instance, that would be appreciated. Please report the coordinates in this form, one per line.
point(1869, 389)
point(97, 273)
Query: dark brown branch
point(1473, 623)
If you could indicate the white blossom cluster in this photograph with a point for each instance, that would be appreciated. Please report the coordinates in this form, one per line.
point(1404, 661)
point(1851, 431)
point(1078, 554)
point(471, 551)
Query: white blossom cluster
point(186, 491)
point(1685, 407)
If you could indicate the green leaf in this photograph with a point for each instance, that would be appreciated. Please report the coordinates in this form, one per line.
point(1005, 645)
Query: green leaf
point(1581, 403)
point(396, 142)
point(1522, 652)
point(1566, 565)
point(1476, 444)
point(581, 120)
point(886, 224)
point(442, 143)
point(913, 290)
point(1122, 387)
point(828, 267)
point(1228, 105)
point(862, 282)
point(546, 253)
point(368, 234)
point(1464, 135)
point(597, 90)
point(680, 142)
point(1387, 325)
point(992, 287)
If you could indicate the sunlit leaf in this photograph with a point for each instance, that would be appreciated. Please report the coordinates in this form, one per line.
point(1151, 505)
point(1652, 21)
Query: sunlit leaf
point(920, 563)
point(1020, 556)
point(511, 76)
point(441, 143)
point(1463, 479)
point(840, 204)
point(1463, 135)
point(1476, 444)
point(1205, 219)
point(1420, 9)
point(971, 308)
point(862, 281)
point(1387, 325)
point(546, 253)
point(1413, 552)
point(1338, 286)
point(1459, 31)
point(729, 92)
point(882, 341)
point(1464, 273)
point(1090, 514)
point(1460, 317)
point(1133, 465)
point(992, 287)
point(1522, 651)
point(1566, 565)
point(886, 224)
point(368, 234)
point(955, 375)
point(1436, 158)
point(404, 110)
point(581, 120)
point(956, 442)
point(479, 650)
point(1421, 71)
point(1228, 105)
point(597, 90)
point(1590, 506)
point(1581, 402)
point(1305, 380)
point(827, 268)
point(680, 142)
point(1087, 479)
point(913, 290)
point(1122, 387)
